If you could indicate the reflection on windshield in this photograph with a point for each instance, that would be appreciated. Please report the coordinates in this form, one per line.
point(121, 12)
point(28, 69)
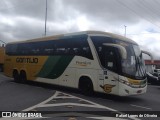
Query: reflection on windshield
point(133, 65)
point(140, 66)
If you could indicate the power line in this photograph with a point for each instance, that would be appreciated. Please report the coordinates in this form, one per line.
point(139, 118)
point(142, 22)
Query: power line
point(150, 13)
point(151, 8)
point(120, 2)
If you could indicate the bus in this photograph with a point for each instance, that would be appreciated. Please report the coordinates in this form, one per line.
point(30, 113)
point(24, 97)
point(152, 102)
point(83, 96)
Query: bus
point(88, 60)
point(2, 54)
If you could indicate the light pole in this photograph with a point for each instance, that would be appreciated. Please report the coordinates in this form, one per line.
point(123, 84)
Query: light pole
point(125, 30)
point(45, 19)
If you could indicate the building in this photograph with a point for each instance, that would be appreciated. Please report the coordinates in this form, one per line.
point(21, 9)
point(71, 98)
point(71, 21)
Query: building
point(150, 66)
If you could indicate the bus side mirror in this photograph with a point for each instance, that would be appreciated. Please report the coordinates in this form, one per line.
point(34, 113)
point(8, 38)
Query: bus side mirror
point(122, 49)
point(148, 53)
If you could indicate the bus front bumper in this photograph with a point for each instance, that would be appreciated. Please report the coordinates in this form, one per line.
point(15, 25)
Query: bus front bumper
point(125, 90)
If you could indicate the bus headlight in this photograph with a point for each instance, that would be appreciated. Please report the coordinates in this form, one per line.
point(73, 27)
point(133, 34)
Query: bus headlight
point(124, 82)
point(143, 84)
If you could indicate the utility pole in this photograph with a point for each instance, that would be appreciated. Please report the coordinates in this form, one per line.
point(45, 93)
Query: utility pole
point(125, 30)
point(45, 19)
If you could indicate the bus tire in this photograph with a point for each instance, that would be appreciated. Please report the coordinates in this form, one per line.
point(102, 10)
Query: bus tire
point(23, 77)
point(1, 67)
point(16, 76)
point(86, 86)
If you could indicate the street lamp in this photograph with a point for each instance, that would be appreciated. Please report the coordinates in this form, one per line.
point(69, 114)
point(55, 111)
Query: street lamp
point(45, 19)
point(125, 30)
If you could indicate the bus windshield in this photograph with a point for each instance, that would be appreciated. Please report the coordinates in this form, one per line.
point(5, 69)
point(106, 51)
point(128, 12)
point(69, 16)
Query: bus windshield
point(132, 66)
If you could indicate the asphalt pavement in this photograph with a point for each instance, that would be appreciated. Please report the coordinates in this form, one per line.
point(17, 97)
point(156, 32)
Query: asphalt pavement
point(58, 103)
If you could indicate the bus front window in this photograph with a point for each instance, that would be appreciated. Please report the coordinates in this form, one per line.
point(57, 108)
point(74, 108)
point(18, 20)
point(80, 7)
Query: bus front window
point(133, 65)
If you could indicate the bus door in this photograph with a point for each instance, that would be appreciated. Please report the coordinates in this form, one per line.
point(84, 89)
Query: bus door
point(111, 70)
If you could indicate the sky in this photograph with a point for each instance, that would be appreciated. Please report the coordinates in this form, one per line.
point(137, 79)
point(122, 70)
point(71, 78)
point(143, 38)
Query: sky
point(25, 19)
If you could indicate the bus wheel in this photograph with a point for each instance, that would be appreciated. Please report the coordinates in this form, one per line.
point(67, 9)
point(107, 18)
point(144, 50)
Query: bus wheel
point(1, 68)
point(86, 86)
point(23, 77)
point(16, 76)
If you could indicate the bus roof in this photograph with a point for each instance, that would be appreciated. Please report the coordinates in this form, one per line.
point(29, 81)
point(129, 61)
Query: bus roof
point(90, 33)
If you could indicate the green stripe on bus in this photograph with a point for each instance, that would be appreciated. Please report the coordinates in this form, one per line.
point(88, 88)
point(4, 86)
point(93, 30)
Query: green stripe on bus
point(54, 66)
point(48, 66)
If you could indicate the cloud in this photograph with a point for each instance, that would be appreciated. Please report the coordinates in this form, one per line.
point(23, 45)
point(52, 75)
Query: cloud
point(25, 19)
point(103, 10)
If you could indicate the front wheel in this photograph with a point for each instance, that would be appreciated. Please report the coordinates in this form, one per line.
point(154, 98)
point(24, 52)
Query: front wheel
point(86, 86)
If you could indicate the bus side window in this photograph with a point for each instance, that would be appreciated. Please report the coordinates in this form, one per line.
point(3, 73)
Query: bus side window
point(111, 60)
point(75, 45)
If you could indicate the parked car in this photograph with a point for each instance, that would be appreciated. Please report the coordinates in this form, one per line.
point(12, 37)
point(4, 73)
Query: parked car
point(153, 78)
point(157, 75)
point(156, 70)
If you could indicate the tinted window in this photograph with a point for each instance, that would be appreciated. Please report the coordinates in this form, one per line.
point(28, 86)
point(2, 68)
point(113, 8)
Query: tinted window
point(99, 40)
point(73, 45)
point(11, 49)
point(98, 43)
point(110, 59)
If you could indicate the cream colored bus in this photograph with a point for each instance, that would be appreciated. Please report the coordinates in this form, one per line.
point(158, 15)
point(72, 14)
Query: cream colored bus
point(89, 61)
point(2, 54)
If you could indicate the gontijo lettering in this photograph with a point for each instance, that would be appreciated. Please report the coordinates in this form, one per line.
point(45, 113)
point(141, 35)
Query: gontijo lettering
point(26, 60)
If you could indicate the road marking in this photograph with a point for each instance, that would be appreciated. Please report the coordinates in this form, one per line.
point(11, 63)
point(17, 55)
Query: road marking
point(77, 104)
point(43, 104)
point(141, 107)
point(61, 95)
point(90, 104)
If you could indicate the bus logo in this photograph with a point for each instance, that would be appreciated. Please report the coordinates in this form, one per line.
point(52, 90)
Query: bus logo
point(26, 60)
point(107, 88)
